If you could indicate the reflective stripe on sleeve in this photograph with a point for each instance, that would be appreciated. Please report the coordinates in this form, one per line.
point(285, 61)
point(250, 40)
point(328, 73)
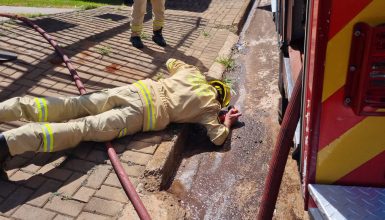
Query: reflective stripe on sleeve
point(47, 138)
point(149, 105)
point(41, 104)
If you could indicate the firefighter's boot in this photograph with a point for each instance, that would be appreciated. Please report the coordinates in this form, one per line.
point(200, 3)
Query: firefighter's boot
point(137, 42)
point(4, 153)
point(158, 38)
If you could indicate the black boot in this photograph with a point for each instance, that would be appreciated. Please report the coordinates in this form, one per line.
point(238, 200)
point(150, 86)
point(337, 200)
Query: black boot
point(137, 42)
point(4, 153)
point(158, 38)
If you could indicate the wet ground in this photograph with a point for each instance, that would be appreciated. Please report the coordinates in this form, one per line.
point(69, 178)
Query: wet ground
point(227, 183)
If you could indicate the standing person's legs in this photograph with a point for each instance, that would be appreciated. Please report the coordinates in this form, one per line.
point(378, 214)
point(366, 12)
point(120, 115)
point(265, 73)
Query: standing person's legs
point(158, 8)
point(138, 12)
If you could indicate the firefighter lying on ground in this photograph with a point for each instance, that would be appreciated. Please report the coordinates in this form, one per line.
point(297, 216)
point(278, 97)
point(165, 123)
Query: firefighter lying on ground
point(147, 105)
point(138, 12)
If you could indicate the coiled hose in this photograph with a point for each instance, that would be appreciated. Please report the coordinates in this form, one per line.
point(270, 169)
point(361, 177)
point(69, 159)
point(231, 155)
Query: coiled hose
point(129, 189)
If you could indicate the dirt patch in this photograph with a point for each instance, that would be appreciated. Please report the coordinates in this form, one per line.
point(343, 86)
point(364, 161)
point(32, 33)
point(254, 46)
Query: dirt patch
point(160, 205)
point(290, 203)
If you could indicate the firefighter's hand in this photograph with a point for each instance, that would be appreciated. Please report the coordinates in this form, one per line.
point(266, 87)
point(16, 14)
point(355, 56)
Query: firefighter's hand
point(231, 117)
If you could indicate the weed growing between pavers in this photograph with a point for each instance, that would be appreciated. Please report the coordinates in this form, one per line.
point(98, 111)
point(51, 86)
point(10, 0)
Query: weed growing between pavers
point(205, 34)
point(104, 51)
point(53, 195)
point(227, 62)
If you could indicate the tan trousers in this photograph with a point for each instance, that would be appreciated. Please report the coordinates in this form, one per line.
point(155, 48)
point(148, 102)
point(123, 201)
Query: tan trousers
point(100, 116)
point(139, 10)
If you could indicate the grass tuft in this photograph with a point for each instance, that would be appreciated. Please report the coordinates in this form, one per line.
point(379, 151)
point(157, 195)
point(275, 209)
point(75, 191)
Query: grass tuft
point(32, 15)
point(227, 62)
point(205, 34)
point(88, 7)
point(104, 50)
point(230, 83)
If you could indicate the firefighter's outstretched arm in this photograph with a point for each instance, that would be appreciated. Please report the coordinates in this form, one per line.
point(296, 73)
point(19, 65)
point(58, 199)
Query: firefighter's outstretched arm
point(217, 130)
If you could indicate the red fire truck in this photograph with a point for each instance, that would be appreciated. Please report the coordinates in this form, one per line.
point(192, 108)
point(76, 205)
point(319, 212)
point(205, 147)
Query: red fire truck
point(337, 48)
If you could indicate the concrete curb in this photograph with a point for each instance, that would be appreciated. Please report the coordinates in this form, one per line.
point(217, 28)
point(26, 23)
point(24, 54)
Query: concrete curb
point(216, 70)
point(161, 168)
point(241, 18)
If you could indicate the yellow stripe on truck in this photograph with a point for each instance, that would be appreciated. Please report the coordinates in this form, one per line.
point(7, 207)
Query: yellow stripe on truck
point(338, 49)
point(352, 149)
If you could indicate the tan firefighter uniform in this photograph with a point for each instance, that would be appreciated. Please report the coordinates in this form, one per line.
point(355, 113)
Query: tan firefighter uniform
point(146, 105)
point(139, 10)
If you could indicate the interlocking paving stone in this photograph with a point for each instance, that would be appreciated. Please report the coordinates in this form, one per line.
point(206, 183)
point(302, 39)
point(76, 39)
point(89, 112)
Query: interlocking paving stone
point(73, 184)
point(87, 216)
point(136, 157)
point(77, 183)
point(103, 206)
point(29, 212)
point(97, 176)
point(84, 194)
point(44, 193)
point(64, 206)
point(62, 217)
point(112, 193)
point(16, 199)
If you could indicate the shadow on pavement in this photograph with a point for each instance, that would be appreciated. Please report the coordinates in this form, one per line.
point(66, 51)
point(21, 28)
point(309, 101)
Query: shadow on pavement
point(104, 58)
point(188, 5)
point(266, 8)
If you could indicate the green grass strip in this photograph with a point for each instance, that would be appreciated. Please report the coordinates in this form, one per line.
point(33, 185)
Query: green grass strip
point(60, 3)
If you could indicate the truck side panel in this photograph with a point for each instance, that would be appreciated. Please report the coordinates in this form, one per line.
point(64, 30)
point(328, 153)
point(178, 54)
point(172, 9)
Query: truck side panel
point(351, 147)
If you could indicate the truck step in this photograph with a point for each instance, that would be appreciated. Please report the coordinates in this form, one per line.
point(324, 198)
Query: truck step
point(347, 202)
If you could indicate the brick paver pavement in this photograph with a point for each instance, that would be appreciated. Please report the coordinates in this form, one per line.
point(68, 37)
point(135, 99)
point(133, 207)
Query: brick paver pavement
point(80, 183)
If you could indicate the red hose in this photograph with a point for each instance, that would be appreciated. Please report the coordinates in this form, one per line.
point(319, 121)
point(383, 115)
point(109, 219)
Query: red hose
point(122, 175)
point(280, 154)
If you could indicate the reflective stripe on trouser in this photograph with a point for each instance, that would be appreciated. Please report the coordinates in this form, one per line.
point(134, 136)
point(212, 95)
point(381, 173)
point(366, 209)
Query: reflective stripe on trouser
point(52, 109)
point(150, 116)
point(49, 137)
point(139, 10)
